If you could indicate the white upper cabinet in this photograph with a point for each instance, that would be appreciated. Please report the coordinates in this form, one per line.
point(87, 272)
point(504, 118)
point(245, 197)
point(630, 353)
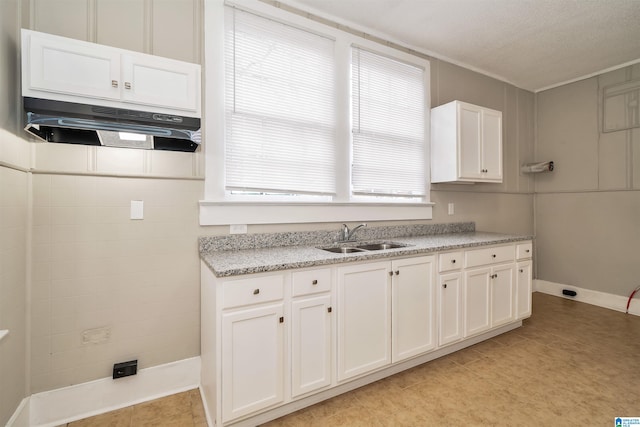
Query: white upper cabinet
point(83, 72)
point(466, 143)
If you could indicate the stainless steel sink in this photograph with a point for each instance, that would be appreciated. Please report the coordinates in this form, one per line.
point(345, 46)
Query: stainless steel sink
point(365, 247)
point(343, 250)
point(380, 246)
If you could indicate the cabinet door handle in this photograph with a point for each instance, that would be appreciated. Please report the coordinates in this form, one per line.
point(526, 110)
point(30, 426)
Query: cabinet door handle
point(391, 273)
point(493, 276)
point(256, 291)
point(453, 261)
point(114, 83)
point(444, 286)
point(329, 309)
point(397, 272)
point(527, 250)
point(314, 282)
point(282, 320)
point(493, 256)
point(127, 85)
point(521, 271)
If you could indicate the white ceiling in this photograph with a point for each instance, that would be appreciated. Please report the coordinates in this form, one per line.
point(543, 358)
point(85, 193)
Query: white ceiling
point(533, 44)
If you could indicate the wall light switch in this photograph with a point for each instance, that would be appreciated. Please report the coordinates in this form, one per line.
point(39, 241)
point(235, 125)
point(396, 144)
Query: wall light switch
point(238, 229)
point(451, 209)
point(137, 209)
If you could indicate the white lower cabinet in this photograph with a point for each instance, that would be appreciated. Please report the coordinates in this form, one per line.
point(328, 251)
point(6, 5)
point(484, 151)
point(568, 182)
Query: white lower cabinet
point(252, 360)
point(272, 341)
point(476, 301)
point(450, 304)
point(310, 344)
point(413, 307)
point(364, 318)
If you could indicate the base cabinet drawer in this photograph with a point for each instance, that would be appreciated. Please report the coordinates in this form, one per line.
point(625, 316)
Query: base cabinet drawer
point(254, 290)
point(487, 256)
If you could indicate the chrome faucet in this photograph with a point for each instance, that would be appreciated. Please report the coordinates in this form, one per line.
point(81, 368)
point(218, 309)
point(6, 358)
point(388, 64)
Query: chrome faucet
point(347, 235)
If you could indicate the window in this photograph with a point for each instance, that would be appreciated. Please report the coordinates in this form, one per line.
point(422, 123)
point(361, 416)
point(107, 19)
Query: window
point(387, 97)
point(280, 115)
point(300, 114)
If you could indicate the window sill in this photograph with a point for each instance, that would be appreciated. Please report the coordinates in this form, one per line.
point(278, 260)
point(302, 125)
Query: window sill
point(225, 213)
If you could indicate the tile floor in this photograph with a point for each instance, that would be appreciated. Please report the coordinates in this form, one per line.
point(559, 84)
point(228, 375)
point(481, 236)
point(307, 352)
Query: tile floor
point(570, 364)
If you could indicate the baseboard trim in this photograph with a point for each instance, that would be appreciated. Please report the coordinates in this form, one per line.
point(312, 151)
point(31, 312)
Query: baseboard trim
point(64, 405)
point(20, 417)
point(601, 299)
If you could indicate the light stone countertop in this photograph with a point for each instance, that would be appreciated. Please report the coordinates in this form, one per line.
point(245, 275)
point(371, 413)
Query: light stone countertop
point(226, 263)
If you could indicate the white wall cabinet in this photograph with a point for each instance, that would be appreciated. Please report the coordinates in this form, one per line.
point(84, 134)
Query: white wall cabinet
point(466, 143)
point(83, 72)
point(413, 307)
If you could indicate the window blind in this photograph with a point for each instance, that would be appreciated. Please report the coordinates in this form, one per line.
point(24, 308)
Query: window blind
point(279, 103)
point(388, 126)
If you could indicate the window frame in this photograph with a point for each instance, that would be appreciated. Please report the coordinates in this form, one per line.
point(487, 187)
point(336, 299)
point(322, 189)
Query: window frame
point(218, 208)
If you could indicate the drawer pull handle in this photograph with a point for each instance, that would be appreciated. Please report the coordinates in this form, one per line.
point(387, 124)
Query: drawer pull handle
point(314, 282)
point(453, 261)
point(527, 250)
point(329, 309)
point(521, 271)
point(282, 320)
point(493, 256)
point(444, 286)
point(114, 83)
point(127, 85)
point(256, 291)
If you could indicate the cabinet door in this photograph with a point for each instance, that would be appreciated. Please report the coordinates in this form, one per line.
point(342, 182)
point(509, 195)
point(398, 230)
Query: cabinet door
point(310, 344)
point(450, 303)
point(413, 307)
point(523, 289)
point(75, 69)
point(252, 360)
point(364, 318)
point(161, 82)
point(470, 141)
point(491, 145)
point(502, 295)
point(477, 287)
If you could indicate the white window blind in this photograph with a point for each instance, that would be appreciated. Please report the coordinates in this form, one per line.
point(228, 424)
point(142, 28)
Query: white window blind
point(388, 126)
point(280, 112)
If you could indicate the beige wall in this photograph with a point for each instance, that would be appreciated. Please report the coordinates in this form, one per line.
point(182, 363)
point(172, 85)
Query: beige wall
point(13, 223)
point(588, 210)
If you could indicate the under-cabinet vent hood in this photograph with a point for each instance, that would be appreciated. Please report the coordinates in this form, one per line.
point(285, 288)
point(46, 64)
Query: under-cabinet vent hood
point(78, 92)
point(71, 123)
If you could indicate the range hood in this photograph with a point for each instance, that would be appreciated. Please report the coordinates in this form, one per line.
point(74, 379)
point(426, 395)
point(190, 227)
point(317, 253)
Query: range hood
point(72, 123)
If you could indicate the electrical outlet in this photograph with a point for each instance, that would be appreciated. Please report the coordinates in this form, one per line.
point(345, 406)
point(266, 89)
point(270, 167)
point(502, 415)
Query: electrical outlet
point(238, 229)
point(125, 369)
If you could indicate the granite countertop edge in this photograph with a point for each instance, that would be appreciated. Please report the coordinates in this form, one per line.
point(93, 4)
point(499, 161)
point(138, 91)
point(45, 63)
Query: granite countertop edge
point(229, 263)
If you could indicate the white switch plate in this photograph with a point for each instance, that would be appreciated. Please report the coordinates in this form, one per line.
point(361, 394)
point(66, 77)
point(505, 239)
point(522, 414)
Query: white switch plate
point(137, 209)
point(451, 209)
point(238, 229)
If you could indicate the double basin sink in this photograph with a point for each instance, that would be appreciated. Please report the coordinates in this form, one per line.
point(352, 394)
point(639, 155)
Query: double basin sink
point(364, 247)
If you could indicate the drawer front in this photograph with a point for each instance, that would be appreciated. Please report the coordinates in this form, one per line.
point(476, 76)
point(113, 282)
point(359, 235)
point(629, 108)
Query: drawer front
point(524, 250)
point(492, 255)
point(450, 261)
point(253, 290)
point(311, 281)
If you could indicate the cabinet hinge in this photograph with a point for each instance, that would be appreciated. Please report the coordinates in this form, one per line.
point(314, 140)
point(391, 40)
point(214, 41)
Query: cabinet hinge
point(282, 320)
